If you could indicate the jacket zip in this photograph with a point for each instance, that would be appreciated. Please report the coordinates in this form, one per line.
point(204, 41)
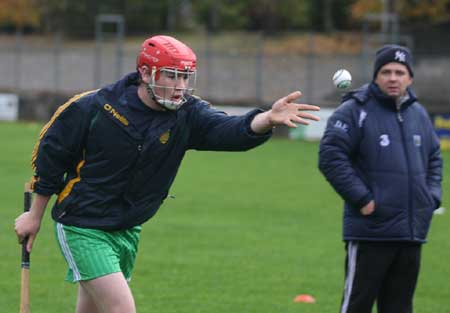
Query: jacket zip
point(410, 209)
point(139, 147)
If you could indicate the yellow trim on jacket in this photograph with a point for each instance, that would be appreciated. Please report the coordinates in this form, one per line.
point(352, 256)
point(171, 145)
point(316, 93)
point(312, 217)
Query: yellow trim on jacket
point(66, 191)
point(50, 123)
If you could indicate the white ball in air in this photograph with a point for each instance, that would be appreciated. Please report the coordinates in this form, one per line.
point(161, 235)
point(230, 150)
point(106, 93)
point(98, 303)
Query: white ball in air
point(342, 79)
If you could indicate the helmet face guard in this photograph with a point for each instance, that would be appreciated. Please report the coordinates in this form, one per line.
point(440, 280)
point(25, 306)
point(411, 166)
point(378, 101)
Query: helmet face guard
point(169, 87)
point(173, 70)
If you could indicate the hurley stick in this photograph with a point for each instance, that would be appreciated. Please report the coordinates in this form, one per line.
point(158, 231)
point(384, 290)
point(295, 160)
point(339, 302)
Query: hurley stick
point(25, 279)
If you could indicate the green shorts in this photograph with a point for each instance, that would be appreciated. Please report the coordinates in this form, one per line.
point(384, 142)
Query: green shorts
point(91, 253)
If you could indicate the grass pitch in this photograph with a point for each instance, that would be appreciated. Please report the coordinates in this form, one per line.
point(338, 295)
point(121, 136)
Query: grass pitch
point(246, 232)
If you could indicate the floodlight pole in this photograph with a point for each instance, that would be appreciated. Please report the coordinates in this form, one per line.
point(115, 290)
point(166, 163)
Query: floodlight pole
point(18, 57)
point(57, 60)
point(119, 21)
point(389, 33)
point(259, 68)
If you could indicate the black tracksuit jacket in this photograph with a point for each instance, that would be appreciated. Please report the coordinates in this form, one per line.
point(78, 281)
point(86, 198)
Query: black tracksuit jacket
point(110, 176)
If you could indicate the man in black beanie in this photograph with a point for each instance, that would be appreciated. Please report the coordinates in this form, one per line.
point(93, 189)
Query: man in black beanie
point(382, 156)
point(393, 53)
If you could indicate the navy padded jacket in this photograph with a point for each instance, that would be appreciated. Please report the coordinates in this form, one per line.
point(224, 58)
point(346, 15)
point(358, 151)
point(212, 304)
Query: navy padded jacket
point(110, 176)
point(372, 151)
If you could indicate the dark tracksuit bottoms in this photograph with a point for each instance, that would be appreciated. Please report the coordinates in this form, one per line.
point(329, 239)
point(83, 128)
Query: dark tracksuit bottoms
point(385, 272)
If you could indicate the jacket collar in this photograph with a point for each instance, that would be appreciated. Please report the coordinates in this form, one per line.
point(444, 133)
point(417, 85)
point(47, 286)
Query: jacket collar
point(116, 90)
point(390, 102)
point(366, 91)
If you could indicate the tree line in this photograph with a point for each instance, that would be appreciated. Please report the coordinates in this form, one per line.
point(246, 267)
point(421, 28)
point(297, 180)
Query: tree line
point(77, 17)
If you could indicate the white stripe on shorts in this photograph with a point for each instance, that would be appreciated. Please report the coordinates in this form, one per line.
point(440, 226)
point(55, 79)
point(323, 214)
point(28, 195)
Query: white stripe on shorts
point(352, 252)
point(66, 251)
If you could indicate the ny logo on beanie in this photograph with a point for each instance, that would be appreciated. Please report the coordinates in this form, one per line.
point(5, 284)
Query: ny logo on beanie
point(400, 56)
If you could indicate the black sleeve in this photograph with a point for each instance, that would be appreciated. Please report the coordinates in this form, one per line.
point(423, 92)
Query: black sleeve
point(216, 131)
point(60, 147)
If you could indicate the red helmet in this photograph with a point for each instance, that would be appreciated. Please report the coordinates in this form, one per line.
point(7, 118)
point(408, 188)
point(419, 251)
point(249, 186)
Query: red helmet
point(164, 54)
point(165, 51)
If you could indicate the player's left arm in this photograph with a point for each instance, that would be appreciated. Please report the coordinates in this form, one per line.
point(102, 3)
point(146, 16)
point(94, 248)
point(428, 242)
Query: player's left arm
point(215, 130)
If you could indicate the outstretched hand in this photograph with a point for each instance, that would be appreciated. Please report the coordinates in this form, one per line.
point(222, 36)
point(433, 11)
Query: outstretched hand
point(286, 111)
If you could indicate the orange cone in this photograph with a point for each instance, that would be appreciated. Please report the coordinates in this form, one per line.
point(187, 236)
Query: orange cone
point(304, 299)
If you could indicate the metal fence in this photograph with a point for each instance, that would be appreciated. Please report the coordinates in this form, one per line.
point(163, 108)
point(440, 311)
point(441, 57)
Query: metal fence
point(227, 75)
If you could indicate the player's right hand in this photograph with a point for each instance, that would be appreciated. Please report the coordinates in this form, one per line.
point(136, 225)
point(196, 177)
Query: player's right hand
point(27, 226)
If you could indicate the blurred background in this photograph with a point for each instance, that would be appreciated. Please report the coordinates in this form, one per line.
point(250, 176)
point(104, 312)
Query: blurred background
point(250, 52)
